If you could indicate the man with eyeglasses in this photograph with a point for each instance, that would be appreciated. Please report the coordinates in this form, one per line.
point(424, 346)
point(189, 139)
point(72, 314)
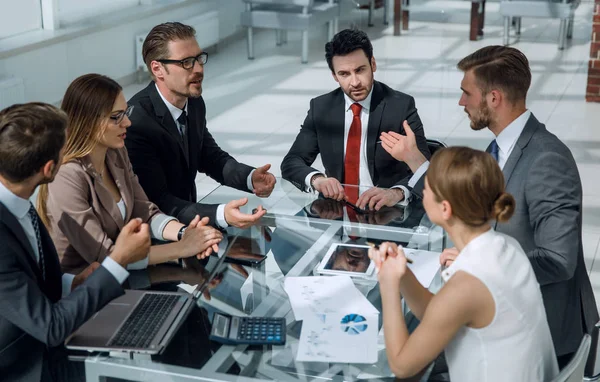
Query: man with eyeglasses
point(168, 142)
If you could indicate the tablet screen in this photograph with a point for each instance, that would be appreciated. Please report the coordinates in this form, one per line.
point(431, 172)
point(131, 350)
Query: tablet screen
point(349, 258)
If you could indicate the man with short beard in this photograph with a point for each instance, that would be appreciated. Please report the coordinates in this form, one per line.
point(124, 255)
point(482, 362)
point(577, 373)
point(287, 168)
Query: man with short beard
point(168, 142)
point(540, 173)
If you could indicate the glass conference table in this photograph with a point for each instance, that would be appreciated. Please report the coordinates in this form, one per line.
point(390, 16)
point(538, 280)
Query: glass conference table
point(293, 238)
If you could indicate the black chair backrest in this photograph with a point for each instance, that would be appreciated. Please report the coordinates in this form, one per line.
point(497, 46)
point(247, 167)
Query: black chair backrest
point(434, 145)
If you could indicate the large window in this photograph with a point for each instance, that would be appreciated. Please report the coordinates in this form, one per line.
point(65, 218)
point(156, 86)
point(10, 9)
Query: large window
point(70, 11)
point(19, 16)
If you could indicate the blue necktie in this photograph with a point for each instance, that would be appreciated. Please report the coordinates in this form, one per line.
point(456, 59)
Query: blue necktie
point(494, 150)
point(35, 221)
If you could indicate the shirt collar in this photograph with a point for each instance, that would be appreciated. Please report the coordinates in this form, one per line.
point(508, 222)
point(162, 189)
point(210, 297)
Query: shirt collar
point(507, 138)
point(174, 110)
point(365, 103)
point(15, 204)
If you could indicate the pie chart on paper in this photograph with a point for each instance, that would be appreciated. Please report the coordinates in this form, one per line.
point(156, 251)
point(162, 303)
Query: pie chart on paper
point(353, 324)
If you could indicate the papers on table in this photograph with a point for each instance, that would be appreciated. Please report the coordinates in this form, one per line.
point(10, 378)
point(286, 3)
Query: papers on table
point(339, 323)
point(187, 287)
point(317, 295)
point(339, 337)
point(425, 265)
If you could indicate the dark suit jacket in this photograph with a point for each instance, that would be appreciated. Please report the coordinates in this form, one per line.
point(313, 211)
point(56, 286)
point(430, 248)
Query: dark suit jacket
point(542, 176)
point(323, 133)
point(165, 172)
point(33, 317)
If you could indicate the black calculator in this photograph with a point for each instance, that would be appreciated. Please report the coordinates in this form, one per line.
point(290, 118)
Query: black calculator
point(233, 330)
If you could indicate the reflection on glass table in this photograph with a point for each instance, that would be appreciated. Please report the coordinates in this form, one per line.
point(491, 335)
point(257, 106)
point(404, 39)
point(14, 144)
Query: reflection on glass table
point(289, 241)
point(287, 200)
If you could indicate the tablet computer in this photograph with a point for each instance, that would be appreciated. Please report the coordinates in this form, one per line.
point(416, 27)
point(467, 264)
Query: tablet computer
point(347, 259)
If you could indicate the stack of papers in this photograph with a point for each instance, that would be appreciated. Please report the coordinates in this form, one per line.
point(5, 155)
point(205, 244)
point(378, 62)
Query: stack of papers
point(339, 323)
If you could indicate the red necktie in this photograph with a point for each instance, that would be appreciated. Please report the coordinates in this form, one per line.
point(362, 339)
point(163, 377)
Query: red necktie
point(352, 159)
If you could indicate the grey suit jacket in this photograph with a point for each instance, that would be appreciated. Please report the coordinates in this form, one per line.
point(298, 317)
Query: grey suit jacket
point(33, 317)
point(542, 176)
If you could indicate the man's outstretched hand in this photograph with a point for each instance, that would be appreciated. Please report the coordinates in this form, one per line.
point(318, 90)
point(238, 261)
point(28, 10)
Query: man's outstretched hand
point(263, 181)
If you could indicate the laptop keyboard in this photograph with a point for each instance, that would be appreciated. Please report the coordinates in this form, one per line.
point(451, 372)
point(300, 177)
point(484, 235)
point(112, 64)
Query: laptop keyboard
point(145, 321)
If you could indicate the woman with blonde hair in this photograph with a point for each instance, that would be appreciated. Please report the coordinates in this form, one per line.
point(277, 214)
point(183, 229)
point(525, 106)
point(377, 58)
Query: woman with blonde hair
point(96, 193)
point(489, 316)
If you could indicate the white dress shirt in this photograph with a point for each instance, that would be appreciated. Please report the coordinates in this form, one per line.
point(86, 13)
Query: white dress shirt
point(516, 345)
point(364, 177)
point(175, 113)
point(506, 141)
point(19, 207)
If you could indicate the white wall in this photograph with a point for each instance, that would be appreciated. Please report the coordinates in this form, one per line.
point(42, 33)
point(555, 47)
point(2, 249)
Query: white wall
point(73, 10)
point(48, 70)
point(229, 17)
point(29, 16)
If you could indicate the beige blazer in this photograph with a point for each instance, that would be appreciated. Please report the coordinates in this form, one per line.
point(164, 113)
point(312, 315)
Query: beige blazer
point(84, 218)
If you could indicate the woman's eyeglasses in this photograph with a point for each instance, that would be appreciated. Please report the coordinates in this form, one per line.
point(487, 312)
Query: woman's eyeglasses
point(118, 118)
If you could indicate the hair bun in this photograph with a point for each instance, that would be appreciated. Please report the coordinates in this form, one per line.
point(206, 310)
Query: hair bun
point(504, 207)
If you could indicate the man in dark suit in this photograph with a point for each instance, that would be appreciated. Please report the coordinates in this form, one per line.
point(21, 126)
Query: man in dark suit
point(344, 125)
point(40, 306)
point(540, 173)
point(168, 142)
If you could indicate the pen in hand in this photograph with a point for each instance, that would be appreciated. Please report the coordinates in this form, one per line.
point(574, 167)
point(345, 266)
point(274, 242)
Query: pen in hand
point(376, 246)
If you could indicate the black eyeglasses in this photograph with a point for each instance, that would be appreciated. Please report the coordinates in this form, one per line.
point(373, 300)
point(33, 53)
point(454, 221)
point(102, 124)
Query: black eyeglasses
point(118, 118)
point(188, 63)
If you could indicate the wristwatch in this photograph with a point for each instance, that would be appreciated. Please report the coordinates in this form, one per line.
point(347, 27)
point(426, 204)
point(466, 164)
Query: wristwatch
point(181, 232)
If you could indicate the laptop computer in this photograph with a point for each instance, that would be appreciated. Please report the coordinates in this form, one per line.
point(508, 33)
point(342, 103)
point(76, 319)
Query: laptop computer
point(139, 321)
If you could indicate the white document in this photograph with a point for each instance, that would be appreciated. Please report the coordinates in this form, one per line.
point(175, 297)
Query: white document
point(425, 265)
point(247, 289)
point(349, 337)
point(188, 288)
point(317, 295)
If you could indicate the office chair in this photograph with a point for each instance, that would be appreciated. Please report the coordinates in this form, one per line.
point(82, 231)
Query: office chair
point(573, 372)
point(434, 145)
point(592, 367)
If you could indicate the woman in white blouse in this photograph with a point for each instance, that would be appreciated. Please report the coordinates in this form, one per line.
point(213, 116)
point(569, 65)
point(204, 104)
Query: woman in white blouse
point(489, 316)
point(96, 193)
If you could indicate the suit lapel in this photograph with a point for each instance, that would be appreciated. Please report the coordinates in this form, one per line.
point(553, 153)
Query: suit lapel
point(52, 267)
point(118, 174)
point(104, 196)
point(337, 120)
point(17, 230)
point(164, 116)
point(195, 125)
point(522, 142)
point(375, 114)
point(517, 151)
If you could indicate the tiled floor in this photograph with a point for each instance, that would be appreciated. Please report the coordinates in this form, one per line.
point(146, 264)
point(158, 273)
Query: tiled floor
point(255, 108)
